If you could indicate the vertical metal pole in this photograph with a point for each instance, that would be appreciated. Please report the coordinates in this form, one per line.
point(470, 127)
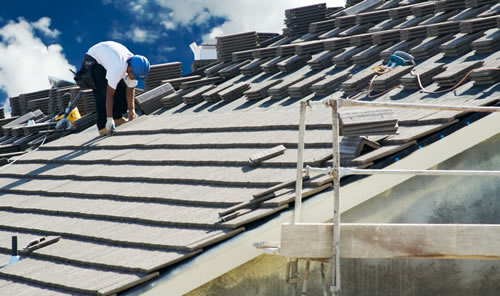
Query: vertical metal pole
point(300, 164)
point(306, 278)
point(336, 199)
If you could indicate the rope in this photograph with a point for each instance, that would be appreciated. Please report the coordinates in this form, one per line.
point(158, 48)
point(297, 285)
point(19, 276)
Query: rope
point(385, 70)
point(414, 73)
point(26, 154)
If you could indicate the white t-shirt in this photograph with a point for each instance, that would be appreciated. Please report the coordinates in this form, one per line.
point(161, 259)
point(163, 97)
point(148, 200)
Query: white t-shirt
point(113, 56)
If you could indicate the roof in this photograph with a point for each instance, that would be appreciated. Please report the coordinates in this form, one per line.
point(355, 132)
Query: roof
point(150, 196)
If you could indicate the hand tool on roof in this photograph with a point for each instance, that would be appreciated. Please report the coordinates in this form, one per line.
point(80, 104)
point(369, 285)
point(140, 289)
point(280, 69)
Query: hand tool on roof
point(71, 114)
point(398, 58)
point(401, 58)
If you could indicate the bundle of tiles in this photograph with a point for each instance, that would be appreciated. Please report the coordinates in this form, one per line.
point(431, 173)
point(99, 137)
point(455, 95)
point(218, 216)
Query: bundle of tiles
point(321, 26)
point(150, 101)
point(366, 122)
point(448, 5)
point(303, 87)
point(388, 80)
point(443, 29)
point(344, 59)
point(286, 50)
point(425, 72)
point(243, 55)
point(461, 44)
point(330, 83)
point(372, 17)
point(310, 47)
point(265, 52)
point(429, 47)
point(253, 67)
point(213, 70)
point(337, 43)
point(212, 95)
point(195, 96)
point(160, 72)
point(228, 44)
point(370, 55)
point(258, 91)
point(297, 20)
point(41, 101)
point(293, 63)
point(358, 81)
point(478, 3)
point(200, 82)
point(488, 76)
point(271, 66)
point(386, 36)
point(345, 21)
point(232, 70)
point(174, 98)
point(362, 39)
point(455, 72)
point(323, 59)
point(424, 8)
point(280, 90)
point(478, 24)
point(176, 82)
point(490, 42)
point(234, 92)
point(262, 38)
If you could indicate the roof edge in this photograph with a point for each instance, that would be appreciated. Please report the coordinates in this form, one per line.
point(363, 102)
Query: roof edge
point(238, 250)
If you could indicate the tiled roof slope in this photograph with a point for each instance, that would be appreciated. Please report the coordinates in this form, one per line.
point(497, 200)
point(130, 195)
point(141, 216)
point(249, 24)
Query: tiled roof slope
point(150, 196)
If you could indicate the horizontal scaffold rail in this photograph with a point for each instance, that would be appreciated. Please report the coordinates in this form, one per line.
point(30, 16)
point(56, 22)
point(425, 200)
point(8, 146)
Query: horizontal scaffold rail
point(353, 171)
point(353, 103)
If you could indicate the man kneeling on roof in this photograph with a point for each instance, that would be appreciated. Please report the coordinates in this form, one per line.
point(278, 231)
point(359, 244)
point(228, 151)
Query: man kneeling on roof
point(115, 72)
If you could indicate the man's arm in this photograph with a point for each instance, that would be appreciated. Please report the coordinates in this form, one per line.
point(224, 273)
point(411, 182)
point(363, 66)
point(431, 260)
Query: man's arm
point(131, 103)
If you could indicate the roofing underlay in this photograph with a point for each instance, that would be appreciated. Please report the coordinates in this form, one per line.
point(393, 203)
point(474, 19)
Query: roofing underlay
point(148, 197)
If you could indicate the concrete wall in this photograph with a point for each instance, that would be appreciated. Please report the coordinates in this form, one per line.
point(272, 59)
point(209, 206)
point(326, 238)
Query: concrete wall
point(421, 199)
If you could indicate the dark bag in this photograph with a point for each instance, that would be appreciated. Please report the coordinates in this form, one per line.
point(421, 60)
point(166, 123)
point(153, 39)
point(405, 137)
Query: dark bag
point(83, 77)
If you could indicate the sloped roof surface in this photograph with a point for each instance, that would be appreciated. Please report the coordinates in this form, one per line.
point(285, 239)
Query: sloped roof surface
point(150, 196)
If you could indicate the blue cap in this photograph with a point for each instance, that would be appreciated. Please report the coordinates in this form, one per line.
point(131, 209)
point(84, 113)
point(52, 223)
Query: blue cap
point(140, 66)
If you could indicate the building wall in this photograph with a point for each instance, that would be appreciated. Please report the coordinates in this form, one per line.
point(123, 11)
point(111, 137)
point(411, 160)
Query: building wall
point(422, 199)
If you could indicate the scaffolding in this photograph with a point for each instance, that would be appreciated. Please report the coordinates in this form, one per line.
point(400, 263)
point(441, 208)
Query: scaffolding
point(321, 230)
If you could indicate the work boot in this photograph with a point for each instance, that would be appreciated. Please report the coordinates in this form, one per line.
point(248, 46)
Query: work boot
point(103, 132)
point(120, 121)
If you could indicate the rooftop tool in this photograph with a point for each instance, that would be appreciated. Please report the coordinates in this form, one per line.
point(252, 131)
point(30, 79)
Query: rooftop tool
point(71, 114)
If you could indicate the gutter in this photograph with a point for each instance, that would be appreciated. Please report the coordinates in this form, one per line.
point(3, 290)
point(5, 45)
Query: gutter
point(230, 254)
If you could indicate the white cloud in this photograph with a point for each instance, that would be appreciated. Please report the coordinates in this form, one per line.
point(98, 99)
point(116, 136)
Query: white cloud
point(43, 25)
point(165, 49)
point(135, 34)
point(242, 15)
point(26, 61)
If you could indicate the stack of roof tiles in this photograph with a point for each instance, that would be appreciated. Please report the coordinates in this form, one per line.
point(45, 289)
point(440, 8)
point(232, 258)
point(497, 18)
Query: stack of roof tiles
point(490, 42)
point(297, 20)
point(160, 72)
point(228, 44)
point(425, 73)
point(454, 73)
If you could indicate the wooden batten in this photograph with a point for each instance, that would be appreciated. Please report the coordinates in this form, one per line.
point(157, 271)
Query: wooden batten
point(440, 241)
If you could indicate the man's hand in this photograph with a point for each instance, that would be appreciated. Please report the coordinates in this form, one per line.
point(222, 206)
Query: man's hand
point(131, 114)
point(110, 125)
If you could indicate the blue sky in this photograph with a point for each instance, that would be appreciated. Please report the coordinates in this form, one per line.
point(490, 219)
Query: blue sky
point(42, 38)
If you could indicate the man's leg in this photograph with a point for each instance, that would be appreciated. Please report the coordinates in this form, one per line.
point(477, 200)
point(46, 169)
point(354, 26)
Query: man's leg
point(120, 103)
point(101, 84)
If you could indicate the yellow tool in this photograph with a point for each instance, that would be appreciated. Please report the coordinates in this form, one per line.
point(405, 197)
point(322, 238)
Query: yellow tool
point(71, 114)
